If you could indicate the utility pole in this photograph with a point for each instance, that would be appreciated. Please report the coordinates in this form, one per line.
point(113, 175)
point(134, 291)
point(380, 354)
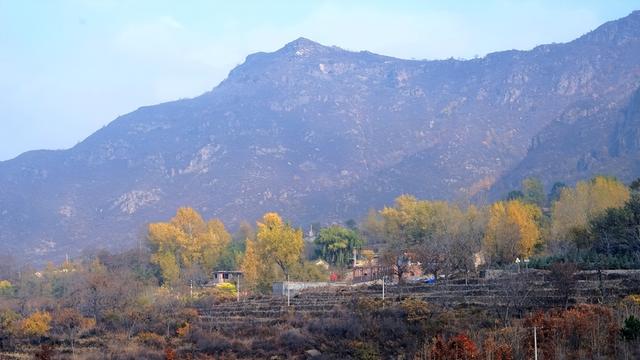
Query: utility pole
point(191, 288)
point(288, 292)
point(535, 344)
point(383, 280)
point(238, 287)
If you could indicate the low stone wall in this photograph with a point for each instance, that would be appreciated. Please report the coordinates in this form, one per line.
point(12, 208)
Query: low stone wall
point(295, 287)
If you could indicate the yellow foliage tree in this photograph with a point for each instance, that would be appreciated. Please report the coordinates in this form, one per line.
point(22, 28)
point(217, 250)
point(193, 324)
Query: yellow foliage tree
point(576, 206)
point(213, 242)
point(169, 268)
point(368, 256)
point(279, 242)
point(440, 235)
point(187, 241)
point(37, 324)
point(512, 230)
point(251, 265)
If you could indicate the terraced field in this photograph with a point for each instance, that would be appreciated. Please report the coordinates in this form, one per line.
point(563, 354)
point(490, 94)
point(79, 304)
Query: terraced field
point(519, 291)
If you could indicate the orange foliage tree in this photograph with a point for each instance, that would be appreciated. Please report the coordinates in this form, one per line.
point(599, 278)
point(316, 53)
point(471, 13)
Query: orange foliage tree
point(459, 347)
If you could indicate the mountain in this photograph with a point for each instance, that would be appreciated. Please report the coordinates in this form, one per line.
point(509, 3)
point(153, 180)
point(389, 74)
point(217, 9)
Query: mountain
point(323, 134)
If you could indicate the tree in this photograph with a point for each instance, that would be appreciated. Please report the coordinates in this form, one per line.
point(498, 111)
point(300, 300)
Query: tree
point(308, 271)
point(36, 325)
point(9, 327)
point(351, 225)
point(213, 243)
point(562, 276)
point(251, 265)
point(533, 192)
point(245, 231)
point(512, 230)
point(411, 225)
point(337, 244)
point(407, 225)
point(635, 185)
point(373, 228)
point(459, 347)
point(187, 242)
point(438, 235)
point(515, 195)
point(279, 242)
point(576, 206)
point(368, 255)
point(169, 268)
point(71, 323)
point(555, 192)
point(467, 240)
point(616, 232)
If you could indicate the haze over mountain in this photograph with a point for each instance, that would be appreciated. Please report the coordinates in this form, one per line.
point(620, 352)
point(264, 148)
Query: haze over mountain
point(318, 133)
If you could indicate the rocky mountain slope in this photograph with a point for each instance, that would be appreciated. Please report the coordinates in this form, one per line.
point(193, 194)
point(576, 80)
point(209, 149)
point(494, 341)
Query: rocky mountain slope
point(323, 134)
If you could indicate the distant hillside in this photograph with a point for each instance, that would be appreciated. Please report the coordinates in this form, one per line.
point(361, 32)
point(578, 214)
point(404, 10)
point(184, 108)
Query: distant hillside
point(323, 134)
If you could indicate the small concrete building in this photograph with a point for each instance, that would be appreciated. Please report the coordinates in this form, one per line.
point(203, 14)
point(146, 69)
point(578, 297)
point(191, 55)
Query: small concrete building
point(225, 276)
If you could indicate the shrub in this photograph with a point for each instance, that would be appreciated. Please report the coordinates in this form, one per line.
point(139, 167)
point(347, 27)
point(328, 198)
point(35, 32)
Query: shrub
point(8, 322)
point(336, 326)
point(633, 299)
point(36, 325)
point(586, 331)
point(151, 340)
point(365, 350)
point(132, 352)
point(631, 328)
point(458, 347)
point(293, 340)
point(210, 343)
point(6, 288)
point(223, 292)
point(183, 330)
point(227, 288)
point(45, 352)
point(416, 310)
point(263, 346)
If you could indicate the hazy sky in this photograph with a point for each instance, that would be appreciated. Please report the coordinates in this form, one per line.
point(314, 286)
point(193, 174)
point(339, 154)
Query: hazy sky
point(69, 67)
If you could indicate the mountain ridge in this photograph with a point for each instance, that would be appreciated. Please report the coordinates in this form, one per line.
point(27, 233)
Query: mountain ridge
point(320, 133)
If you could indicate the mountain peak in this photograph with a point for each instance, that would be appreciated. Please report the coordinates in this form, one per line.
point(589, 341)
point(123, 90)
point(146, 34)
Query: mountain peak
point(303, 46)
point(302, 41)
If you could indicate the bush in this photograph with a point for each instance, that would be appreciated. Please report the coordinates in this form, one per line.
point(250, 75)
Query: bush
point(336, 326)
point(224, 292)
point(36, 325)
point(6, 288)
point(365, 350)
point(210, 343)
point(458, 347)
point(151, 340)
point(9, 320)
point(45, 352)
point(227, 288)
point(263, 346)
point(134, 353)
point(293, 340)
point(631, 328)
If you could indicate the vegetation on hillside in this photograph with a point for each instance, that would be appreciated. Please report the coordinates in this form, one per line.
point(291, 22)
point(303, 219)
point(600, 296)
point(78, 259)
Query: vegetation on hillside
point(149, 302)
